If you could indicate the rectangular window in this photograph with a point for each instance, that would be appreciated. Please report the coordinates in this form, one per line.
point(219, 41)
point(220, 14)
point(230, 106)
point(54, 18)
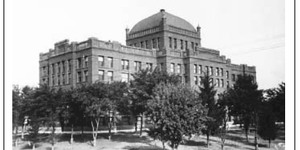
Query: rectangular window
point(196, 44)
point(207, 70)
point(101, 74)
point(200, 69)
point(70, 65)
point(69, 78)
point(211, 82)
point(147, 44)
point(110, 75)
point(142, 44)
point(63, 79)
point(86, 61)
point(125, 77)
point(196, 80)
point(222, 83)
point(181, 44)
point(186, 45)
point(78, 76)
point(125, 64)
point(158, 43)
point(211, 71)
point(227, 75)
point(218, 82)
point(53, 81)
point(110, 62)
point(44, 71)
point(161, 66)
point(149, 66)
point(58, 79)
point(154, 43)
point(228, 85)
point(233, 77)
point(185, 69)
point(186, 79)
point(217, 71)
point(175, 43)
point(195, 69)
point(172, 67)
point(170, 42)
point(221, 72)
point(79, 63)
point(86, 75)
point(178, 68)
point(137, 65)
point(63, 67)
point(101, 60)
point(58, 68)
point(192, 45)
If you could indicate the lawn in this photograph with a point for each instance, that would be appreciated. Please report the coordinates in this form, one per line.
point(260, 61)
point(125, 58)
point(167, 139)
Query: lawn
point(129, 141)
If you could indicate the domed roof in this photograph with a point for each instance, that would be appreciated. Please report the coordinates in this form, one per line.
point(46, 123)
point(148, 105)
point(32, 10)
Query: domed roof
point(156, 19)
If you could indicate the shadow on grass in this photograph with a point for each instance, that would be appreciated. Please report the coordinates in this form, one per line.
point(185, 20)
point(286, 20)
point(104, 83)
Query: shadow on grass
point(150, 147)
point(194, 143)
point(130, 138)
point(30, 147)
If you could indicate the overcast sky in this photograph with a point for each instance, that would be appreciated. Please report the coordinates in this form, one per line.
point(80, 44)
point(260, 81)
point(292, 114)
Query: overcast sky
point(249, 31)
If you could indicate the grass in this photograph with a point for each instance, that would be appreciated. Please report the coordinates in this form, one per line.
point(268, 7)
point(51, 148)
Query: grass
point(235, 140)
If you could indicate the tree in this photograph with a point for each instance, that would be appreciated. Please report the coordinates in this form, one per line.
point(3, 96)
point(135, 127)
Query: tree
point(17, 111)
point(175, 112)
point(267, 127)
point(276, 97)
point(141, 89)
point(245, 102)
point(207, 96)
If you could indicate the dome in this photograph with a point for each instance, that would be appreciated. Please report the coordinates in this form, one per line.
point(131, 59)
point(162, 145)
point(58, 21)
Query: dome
point(155, 20)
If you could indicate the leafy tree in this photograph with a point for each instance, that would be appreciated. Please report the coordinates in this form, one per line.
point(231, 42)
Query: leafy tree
point(267, 128)
point(175, 112)
point(245, 101)
point(141, 89)
point(207, 96)
point(276, 97)
point(18, 105)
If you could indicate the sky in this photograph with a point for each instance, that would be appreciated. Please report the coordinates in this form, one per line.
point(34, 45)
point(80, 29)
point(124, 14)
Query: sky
point(248, 32)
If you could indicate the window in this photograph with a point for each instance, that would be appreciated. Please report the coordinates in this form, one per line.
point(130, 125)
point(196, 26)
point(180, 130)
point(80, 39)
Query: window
point(196, 80)
point(101, 74)
point(221, 72)
point(79, 63)
point(233, 77)
point(192, 44)
point(200, 69)
point(86, 61)
point(172, 67)
point(86, 75)
point(147, 44)
point(101, 60)
point(185, 69)
point(227, 75)
point(142, 44)
point(137, 65)
point(134, 45)
point(196, 44)
point(195, 69)
point(170, 42)
point(63, 67)
point(161, 66)
point(218, 82)
point(228, 85)
point(217, 71)
point(78, 76)
point(178, 68)
point(69, 78)
point(207, 69)
point(175, 43)
point(158, 42)
point(44, 71)
point(222, 83)
point(186, 79)
point(186, 44)
point(63, 79)
point(53, 81)
point(181, 44)
point(210, 71)
point(69, 67)
point(154, 43)
point(149, 66)
point(58, 68)
point(58, 79)
point(110, 75)
point(211, 82)
point(110, 62)
point(125, 77)
point(125, 64)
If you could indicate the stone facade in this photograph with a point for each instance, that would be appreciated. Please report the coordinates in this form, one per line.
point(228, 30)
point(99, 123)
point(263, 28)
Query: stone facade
point(161, 40)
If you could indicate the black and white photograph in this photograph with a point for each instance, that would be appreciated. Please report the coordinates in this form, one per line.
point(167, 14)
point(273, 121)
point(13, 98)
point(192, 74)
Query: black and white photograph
point(149, 75)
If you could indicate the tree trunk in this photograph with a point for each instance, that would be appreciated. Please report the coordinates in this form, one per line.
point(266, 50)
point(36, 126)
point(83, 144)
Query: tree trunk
point(71, 140)
point(33, 146)
point(246, 132)
point(109, 130)
point(22, 133)
point(94, 141)
point(135, 124)
point(207, 137)
point(269, 143)
point(141, 129)
point(163, 143)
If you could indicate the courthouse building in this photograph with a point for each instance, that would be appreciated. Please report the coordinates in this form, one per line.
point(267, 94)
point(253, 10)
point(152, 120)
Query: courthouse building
point(162, 40)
